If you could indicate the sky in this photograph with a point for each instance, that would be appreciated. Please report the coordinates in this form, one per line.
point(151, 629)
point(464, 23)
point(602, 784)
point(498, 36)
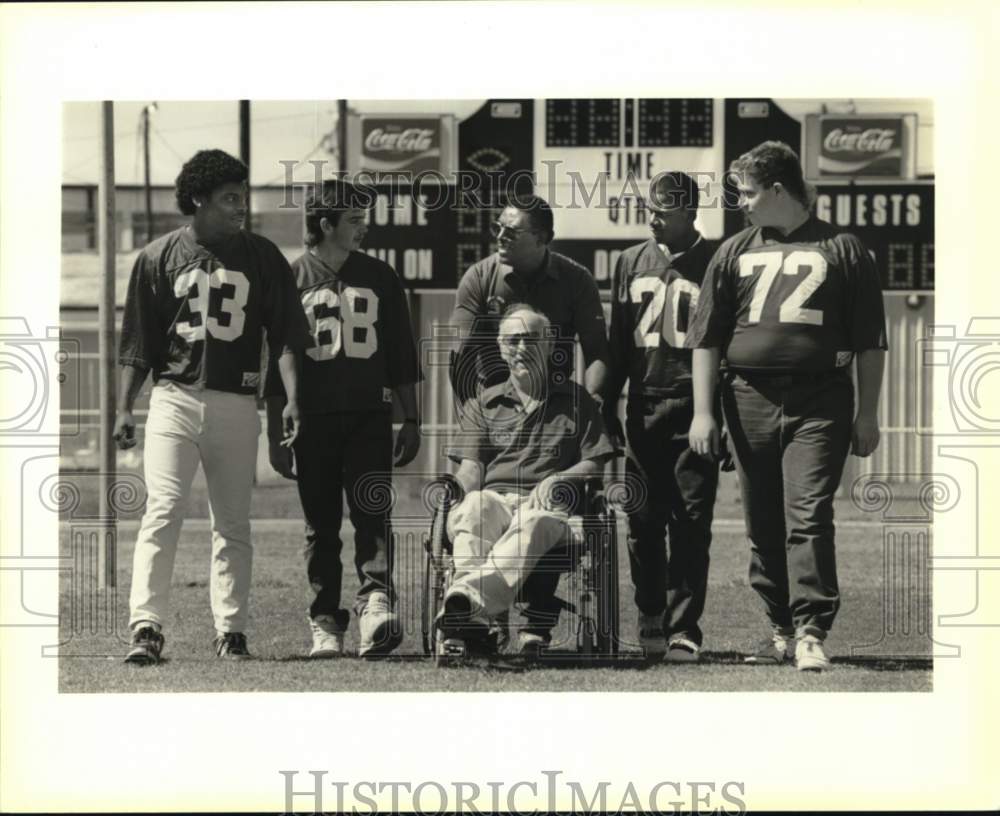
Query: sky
point(293, 130)
point(283, 130)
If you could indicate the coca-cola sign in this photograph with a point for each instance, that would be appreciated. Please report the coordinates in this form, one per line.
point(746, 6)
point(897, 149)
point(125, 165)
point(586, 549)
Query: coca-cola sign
point(396, 144)
point(861, 146)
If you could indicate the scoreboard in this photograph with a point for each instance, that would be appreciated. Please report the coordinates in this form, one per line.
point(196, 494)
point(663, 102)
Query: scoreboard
point(593, 160)
point(582, 122)
point(623, 123)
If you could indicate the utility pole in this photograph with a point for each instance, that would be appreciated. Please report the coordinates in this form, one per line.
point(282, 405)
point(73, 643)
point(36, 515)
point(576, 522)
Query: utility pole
point(106, 575)
point(245, 151)
point(146, 111)
point(342, 136)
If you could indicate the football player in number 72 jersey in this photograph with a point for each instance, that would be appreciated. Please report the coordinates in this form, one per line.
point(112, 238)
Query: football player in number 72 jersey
point(362, 352)
point(789, 303)
point(654, 292)
point(198, 301)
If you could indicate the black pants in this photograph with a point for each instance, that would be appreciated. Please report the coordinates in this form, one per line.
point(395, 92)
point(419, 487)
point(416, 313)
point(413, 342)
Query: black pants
point(346, 453)
point(678, 503)
point(790, 438)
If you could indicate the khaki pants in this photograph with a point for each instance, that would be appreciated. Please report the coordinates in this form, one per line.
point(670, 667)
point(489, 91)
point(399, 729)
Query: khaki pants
point(220, 431)
point(496, 544)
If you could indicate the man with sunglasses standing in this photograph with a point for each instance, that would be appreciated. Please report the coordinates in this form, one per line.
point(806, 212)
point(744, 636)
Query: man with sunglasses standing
point(525, 270)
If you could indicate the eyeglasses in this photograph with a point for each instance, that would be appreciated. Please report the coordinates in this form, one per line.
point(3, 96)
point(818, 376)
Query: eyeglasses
point(498, 229)
point(514, 340)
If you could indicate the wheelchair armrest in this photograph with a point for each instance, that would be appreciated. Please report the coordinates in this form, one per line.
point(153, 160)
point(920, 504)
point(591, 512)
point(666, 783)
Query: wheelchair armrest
point(452, 489)
point(585, 492)
point(448, 493)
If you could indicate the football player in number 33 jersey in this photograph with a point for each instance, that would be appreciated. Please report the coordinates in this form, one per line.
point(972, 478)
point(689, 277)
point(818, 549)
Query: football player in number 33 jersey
point(789, 303)
point(199, 299)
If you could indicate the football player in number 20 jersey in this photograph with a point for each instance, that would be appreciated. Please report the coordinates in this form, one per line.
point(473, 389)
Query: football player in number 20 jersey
point(654, 292)
point(362, 352)
point(789, 303)
point(198, 301)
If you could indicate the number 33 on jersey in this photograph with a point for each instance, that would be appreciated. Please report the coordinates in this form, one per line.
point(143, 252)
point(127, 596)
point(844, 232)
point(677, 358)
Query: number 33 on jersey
point(194, 315)
point(362, 342)
point(805, 302)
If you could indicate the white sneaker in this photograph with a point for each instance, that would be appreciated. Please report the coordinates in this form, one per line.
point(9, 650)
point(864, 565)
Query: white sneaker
point(683, 650)
point(381, 630)
point(328, 639)
point(651, 635)
point(809, 654)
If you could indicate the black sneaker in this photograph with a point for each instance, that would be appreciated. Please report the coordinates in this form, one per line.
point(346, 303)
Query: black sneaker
point(456, 620)
point(776, 650)
point(232, 645)
point(147, 644)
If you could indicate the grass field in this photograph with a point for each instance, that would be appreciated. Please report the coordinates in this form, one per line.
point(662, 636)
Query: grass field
point(279, 635)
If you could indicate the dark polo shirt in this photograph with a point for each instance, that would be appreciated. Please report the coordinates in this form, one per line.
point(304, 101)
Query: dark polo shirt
point(518, 450)
point(564, 291)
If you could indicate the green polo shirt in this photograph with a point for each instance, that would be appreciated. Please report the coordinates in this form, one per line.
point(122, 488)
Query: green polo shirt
point(518, 449)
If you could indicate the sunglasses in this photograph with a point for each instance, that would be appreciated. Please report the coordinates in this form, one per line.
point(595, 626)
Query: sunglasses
point(497, 229)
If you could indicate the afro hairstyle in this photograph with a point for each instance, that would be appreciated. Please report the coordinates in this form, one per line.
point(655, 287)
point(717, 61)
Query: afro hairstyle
point(205, 171)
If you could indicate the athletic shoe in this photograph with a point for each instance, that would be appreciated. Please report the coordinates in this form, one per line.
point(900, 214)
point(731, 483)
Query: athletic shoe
point(683, 650)
point(530, 645)
point(381, 630)
point(456, 619)
point(774, 651)
point(328, 638)
point(232, 645)
point(651, 636)
point(500, 631)
point(809, 654)
point(147, 644)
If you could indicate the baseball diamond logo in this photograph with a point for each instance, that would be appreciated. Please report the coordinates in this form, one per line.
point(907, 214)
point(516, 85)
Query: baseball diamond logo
point(488, 160)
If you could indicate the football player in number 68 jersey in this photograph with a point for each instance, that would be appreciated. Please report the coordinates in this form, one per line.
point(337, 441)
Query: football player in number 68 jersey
point(789, 303)
point(362, 352)
point(199, 299)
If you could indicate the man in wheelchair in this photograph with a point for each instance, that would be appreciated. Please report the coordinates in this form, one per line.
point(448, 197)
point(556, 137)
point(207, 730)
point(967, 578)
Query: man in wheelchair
point(527, 447)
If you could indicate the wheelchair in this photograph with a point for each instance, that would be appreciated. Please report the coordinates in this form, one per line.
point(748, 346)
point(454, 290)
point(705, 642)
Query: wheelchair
point(590, 556)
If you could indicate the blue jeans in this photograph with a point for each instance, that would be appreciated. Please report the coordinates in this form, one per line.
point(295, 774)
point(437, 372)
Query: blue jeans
point(790, 437)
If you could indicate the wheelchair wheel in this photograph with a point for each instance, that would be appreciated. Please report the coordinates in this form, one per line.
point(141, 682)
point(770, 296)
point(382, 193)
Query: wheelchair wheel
point(430, 604)
point(588, 590)
point(607, 587)
point(437, 572)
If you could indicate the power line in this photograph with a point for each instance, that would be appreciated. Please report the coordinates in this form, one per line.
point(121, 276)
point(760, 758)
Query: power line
point(166, 144)
point(228, 123)
point(281, 176)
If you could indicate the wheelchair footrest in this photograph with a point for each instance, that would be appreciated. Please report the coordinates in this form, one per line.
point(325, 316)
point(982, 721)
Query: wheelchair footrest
point(453, 648)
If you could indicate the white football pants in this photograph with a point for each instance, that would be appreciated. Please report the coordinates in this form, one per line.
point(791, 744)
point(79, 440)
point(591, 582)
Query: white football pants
point(220, 430)
point(496, 543)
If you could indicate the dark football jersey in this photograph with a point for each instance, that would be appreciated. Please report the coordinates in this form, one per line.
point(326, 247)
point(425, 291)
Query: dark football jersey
point(362, 340)
point(803, 302)
point(652, 302)
point(195, 314)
